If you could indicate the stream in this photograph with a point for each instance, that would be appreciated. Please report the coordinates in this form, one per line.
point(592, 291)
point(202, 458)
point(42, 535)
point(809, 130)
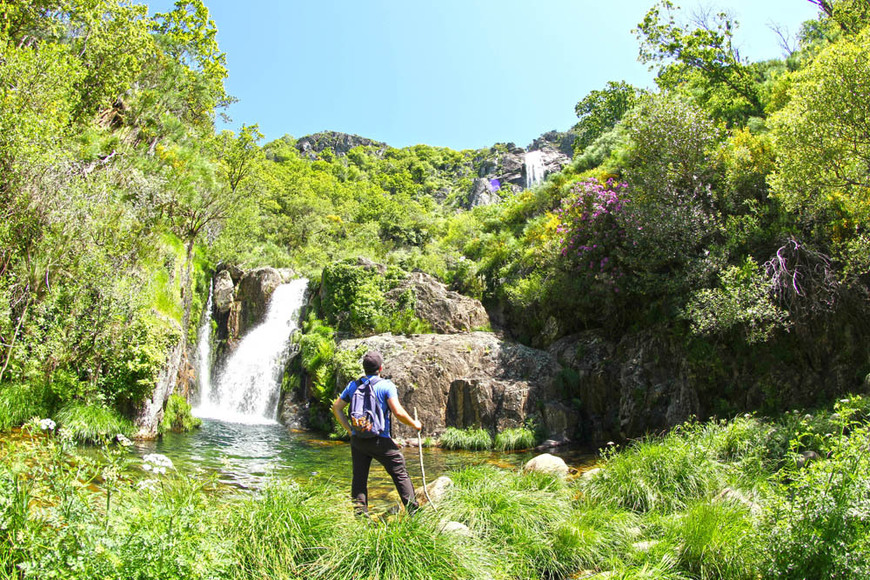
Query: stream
point(246, 456)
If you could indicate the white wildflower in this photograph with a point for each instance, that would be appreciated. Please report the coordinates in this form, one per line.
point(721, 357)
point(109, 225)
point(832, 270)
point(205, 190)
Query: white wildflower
point(47, 425)
point(157, 463)
point(123, 441)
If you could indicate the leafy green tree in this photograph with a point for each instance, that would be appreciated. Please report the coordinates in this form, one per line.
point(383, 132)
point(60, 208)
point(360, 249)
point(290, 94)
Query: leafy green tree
point(727, 84)
point(600, 111)
point(820, 139)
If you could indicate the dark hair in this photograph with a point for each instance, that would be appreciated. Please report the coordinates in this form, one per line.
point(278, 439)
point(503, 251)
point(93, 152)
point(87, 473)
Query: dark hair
point(372, 362)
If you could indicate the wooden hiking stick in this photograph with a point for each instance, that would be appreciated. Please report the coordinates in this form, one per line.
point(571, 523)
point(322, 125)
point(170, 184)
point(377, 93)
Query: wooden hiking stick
point(422, 469)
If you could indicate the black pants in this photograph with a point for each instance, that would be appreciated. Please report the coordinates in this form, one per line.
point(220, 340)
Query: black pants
point(388, 454)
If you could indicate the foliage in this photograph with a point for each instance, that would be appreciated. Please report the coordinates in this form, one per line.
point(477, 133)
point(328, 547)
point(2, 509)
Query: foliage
point(819, 139)
point(177, 416)
point(92, 423)
point(731, 90)
point(470, 438)
point(600, 111)
point(515, 438)
point(744, 301)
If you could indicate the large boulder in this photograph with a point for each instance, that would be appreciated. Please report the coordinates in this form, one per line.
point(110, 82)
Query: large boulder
point(547, 463)
point(447, 311)
point(464, 379)
point(482, 193)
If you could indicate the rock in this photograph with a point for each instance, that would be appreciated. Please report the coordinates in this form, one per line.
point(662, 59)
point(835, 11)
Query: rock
point(457, 528)
point(591, 473)
point(436, 489)
point(806, 458)
point(339, 143)
point(427, 368)
point(234, 271)
point(481, 194)
point(150, 412)
point(552, 443)
point(445, 310)
point(224, 292)
point(255, 289)
point(546, 463)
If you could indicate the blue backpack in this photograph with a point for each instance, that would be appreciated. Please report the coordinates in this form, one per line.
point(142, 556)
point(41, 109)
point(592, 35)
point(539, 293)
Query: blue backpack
point(366, 416)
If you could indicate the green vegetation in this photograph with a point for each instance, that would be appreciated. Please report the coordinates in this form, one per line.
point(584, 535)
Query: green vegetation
point(474, 439)
point(177, 416)
point(515, 438)
point(725, 500)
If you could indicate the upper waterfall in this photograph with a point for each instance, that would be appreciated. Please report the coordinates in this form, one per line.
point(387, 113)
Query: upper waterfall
point(533, 165)
point(248, 386)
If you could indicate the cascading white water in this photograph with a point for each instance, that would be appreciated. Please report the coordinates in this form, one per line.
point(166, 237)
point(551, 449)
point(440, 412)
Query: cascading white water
point(203, 351)
point(248, 387)
point(534, 168)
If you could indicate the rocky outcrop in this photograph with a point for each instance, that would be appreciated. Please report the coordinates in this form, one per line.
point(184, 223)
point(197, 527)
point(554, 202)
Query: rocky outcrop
point(447, 311)
point(339, 143)
point(482, 193)
point(563, 142)
point(465, 380)
point(150, 412)
point(240, 302)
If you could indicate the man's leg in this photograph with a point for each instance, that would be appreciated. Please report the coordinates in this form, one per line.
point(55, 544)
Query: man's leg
point(359, 487)
point(394, 462)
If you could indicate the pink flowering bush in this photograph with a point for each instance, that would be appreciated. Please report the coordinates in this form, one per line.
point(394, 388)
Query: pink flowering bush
point(593, 231)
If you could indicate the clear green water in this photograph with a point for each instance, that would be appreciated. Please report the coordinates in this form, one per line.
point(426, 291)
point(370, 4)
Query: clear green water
point(246, 456)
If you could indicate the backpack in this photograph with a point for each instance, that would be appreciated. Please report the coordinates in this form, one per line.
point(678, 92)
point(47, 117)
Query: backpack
point(366, 416)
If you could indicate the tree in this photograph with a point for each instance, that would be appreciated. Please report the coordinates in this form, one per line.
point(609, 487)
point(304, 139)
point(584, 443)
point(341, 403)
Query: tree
point(705, 49)
point(821, 142)
point(600, 111)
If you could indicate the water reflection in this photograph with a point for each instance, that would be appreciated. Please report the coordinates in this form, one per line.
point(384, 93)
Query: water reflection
point(245, 456)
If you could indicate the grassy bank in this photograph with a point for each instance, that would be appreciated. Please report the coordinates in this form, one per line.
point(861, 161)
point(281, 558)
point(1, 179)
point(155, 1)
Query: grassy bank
point(738, 499)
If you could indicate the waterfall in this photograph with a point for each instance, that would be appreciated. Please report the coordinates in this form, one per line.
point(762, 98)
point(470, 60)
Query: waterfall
point(203, 351)
point(533, 163)
point(248, 387)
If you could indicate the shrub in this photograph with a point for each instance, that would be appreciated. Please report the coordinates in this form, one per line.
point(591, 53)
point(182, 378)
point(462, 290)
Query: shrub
point(471, 438)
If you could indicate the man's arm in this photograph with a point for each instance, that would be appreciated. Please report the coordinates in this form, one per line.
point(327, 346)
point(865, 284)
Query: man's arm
point(338, 410)
point(401, 414)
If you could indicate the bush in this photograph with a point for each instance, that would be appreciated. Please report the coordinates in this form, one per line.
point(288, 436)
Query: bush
point(471, 438)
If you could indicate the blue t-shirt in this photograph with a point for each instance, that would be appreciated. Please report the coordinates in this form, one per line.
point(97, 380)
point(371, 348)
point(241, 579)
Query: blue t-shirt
point(384, 390)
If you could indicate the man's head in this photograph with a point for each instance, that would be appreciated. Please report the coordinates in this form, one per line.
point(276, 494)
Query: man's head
point(372, 362)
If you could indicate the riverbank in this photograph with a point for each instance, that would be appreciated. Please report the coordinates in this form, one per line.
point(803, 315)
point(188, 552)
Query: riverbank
point(744, 498)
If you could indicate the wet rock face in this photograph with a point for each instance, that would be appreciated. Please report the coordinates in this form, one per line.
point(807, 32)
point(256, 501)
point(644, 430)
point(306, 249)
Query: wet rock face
point(241, 300)
point(447, 311)
point(463, 379)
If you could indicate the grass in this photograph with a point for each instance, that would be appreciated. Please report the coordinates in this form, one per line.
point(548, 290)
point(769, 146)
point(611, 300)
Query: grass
point(515, 438)
point(654, 511)
point(471, 438)
point(20, 403)
point(92, 423)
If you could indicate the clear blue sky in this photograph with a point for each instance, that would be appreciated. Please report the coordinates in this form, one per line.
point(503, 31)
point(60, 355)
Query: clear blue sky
point(456, 73)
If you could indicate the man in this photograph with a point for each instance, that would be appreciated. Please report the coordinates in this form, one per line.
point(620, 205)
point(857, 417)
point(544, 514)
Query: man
point(382, 447)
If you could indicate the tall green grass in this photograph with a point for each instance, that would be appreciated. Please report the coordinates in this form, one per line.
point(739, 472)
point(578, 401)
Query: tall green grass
point(471, 438)
point(515, 438)
point(22, 402)
point(92, 423)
